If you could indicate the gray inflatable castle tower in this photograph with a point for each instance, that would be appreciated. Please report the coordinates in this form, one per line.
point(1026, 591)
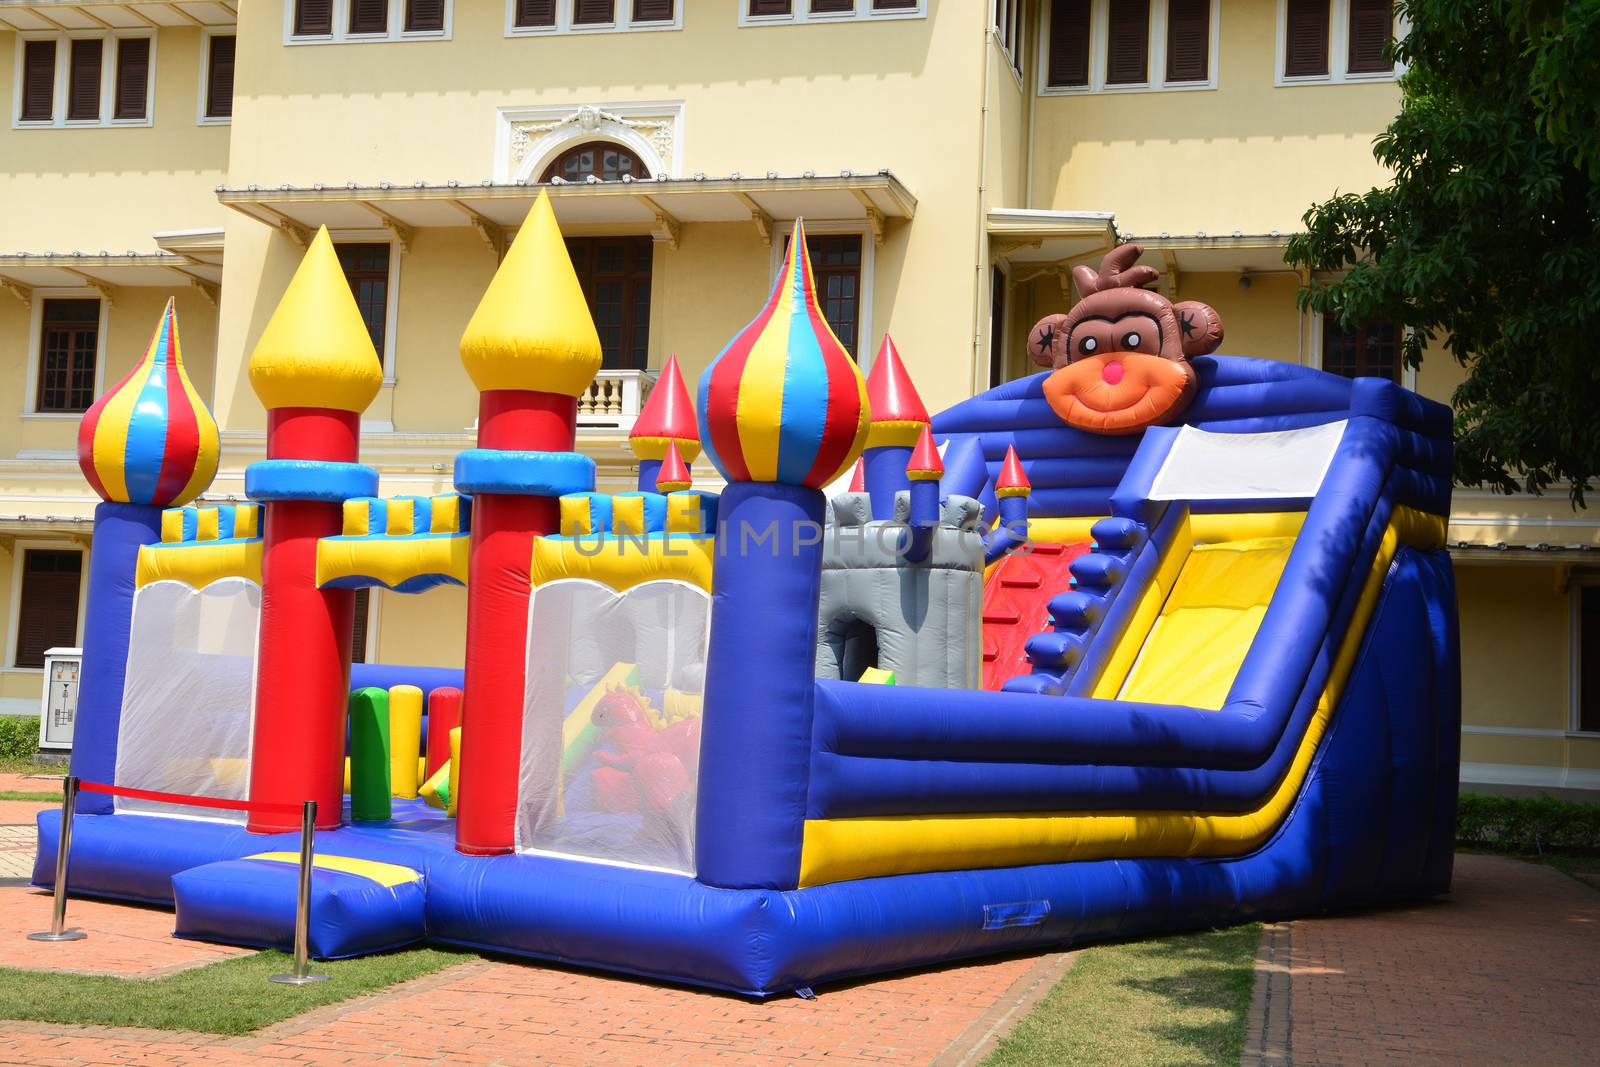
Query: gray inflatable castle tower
point(904, 594)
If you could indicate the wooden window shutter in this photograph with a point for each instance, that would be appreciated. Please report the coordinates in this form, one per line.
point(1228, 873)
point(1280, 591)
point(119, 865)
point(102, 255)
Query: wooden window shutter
point(894, 5)
point(369, 16)
point(313, 17)
point(1188, 40)
point(38, 80)
point(219, 78)
point(47, 615)
point(536, 13)
point(771, 7)
point(133, 77)
point(424, 16)
point(1305, 46)
point(358, 631)
point(1371, 26)
point(593, 12)
point(832, 7)
point(83, 84)
point(1128, 42)
point(652, 10)
point(1069, 43)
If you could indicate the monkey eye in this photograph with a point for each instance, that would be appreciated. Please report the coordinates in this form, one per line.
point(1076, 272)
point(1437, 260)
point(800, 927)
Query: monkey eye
point(1088, 345)
point(1131, 341)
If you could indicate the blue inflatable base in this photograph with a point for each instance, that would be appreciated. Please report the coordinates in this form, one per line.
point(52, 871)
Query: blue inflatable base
point(252, 902)
point(1374, 822)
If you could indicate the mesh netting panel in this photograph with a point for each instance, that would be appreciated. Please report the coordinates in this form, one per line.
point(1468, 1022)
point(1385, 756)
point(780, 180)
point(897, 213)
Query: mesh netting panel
point(186, 708)
point(611, 726)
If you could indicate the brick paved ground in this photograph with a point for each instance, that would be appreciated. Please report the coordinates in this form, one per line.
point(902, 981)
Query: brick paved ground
point(490, 1011)
point(1505, 970)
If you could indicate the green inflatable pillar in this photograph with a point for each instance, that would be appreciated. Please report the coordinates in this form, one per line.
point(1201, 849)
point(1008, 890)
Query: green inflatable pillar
point(369, 755)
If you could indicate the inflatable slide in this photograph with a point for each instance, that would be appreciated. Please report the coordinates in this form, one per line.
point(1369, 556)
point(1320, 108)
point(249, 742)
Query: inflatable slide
point(1155, 639)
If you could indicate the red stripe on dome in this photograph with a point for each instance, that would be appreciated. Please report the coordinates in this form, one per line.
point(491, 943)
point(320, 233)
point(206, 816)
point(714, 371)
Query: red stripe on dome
point(722, 393)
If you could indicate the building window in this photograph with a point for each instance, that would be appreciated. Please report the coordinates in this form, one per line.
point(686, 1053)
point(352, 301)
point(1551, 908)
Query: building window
point(600, 159)
point(217, 94)
point(1586, 658)
point(361, 626)
point(69, 343)
point(1371, 350)
point(366, 268)
point(105, 79)
point(590, 16)
point(47, 609)
point(1129, 45)
point(615, 275)
point(356, 21)
point(1336, 40)
point(1008, 19)
point(764, 12)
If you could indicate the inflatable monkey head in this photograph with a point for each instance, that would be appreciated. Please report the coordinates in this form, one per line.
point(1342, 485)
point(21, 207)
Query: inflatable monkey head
point(1119, 360)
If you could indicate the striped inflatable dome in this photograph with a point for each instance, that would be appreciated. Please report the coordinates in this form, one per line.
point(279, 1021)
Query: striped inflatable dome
point(149, 439)
point(784, 402)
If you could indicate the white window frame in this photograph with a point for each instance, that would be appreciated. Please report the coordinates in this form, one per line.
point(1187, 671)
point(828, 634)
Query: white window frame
point(30, 401)
point(341, 26)
point(1408, 374)
point(866, 340)
point(1338, 50)
point(1575, 636)
point(1013, 59)
point(108, 80)
point(800, 14)
point(1155, 55)
point(391, 312)
point(19, 549)
point(201, 118)
point(565, 10)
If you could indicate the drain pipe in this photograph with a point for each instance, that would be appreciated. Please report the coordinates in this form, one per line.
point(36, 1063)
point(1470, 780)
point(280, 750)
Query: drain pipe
point(980, 241)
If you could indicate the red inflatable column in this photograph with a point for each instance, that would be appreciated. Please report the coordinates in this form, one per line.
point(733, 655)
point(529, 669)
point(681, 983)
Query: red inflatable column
point(498, 587)
point(532, 350)
point(315, 370)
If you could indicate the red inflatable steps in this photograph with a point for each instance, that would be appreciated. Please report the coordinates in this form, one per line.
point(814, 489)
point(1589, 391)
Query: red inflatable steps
point(1016, 605)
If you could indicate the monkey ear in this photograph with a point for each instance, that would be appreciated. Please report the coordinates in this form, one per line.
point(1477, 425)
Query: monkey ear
point(1199, 327)
point(1047, 341)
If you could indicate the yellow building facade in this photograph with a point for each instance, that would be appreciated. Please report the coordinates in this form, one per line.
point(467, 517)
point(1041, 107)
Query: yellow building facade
point(953, 160)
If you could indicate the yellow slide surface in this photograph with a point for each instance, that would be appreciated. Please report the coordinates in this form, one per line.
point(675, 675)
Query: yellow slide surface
point(1197, 644)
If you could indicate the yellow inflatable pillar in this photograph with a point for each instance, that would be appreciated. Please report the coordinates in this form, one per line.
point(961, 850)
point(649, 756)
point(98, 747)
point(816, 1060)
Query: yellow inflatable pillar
point(455, 761)
point(405, 739)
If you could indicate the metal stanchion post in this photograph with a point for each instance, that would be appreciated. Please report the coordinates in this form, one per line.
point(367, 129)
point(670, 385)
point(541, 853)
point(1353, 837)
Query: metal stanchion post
point(302, 909)
point(58, 920)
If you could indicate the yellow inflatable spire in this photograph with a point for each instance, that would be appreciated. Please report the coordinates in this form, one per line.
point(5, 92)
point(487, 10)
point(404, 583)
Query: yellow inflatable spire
point(532, 330)
point(316, 351)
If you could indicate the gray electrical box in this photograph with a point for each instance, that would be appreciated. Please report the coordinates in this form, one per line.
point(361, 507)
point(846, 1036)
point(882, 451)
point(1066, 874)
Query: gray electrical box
point(58, 709)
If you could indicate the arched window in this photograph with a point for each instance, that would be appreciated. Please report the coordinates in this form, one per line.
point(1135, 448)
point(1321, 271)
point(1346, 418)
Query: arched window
point(605, 160)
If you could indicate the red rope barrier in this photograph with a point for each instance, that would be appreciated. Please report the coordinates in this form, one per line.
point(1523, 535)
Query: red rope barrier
point(192, 801)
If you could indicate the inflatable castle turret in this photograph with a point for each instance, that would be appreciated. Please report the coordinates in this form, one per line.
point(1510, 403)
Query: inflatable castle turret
point(148, 443)
point(532, 350)
point(898, 419)
point(783, 412)
point(315, 370)
point(667, 419)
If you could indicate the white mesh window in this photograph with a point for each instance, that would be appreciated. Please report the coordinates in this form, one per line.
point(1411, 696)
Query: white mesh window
point(186, 707)
point(611, 725)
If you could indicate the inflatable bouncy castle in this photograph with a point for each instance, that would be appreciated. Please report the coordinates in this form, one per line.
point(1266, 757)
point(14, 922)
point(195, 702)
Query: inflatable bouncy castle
point(1152, 640)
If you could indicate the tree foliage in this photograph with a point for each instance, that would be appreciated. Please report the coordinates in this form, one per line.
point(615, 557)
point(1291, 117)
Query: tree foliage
point(1488, 238)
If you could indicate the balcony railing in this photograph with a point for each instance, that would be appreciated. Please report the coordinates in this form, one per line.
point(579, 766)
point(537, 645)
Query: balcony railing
point(614, 400)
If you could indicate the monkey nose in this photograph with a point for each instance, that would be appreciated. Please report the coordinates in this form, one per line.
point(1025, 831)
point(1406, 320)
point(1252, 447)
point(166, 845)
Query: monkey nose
point(1111, 372)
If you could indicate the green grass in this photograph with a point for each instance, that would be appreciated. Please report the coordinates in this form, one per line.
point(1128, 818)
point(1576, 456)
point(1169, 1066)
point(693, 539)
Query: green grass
point(1178, 1000)
point(13, 794)
point(230, 997)
point(29, 765)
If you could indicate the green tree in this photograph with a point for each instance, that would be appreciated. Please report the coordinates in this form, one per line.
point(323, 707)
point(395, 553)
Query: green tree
point(1488, 237)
